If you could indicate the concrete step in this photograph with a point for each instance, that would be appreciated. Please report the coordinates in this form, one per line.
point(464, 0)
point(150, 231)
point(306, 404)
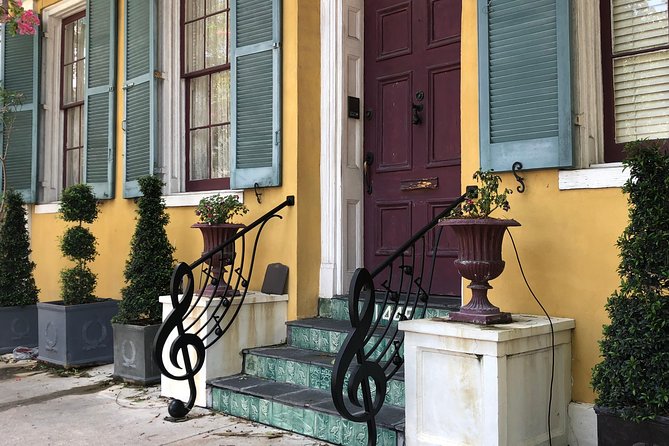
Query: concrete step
point(302, 410)
point(311, 369)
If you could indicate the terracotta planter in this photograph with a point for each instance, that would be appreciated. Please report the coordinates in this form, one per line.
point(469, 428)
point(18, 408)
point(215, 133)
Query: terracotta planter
point(214, 236)
point(480, 260)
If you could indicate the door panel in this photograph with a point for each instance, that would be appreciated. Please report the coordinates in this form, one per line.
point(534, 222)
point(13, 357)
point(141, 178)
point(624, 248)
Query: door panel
point(411, 126)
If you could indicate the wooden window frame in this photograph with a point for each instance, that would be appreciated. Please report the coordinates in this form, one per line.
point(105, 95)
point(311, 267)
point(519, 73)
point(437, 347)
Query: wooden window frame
point(188, 77)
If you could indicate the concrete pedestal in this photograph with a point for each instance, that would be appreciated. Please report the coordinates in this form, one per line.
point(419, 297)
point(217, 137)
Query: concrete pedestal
point(260, 322)
point(486, 385)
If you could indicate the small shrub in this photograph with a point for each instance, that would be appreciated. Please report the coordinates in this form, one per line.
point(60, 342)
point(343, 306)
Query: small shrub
point(148, 270)
point(79, 243)
point(17, 284)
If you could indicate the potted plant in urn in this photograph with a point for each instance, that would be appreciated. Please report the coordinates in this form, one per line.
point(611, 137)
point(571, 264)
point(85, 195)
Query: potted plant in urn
point(480, 247)
point(18, 292)
point(147, 275)
point(77, 329)
point(215, 213)
point(632, 381)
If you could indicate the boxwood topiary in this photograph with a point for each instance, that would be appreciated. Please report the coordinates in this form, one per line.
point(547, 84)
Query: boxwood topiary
point(633, 377)
point(149, 268)
point(78, 204)
point(17, 284)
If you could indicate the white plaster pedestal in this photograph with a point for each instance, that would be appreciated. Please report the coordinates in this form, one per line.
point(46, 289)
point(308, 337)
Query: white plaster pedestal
point(260, 322)
point(486, 385)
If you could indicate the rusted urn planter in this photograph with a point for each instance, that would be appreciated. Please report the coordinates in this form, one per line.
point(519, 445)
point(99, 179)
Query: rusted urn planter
point(214, 236)
point(480, 260)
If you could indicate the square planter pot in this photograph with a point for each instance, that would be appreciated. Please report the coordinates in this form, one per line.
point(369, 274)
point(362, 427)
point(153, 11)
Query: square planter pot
point(75, 335)
point(133, 353)
point(614, 431)
point(18, 327)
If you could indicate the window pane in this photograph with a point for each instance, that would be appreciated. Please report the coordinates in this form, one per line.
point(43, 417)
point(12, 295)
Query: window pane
point(194, 9)
point(220, 151)
point(194, 45)
point(199, 150)
point(641, 91)
point(68, 43)
point(73, 136)
point(199, 101)
point(72, 167)
point(80, 39)
point(639, 24)
point(220, 97)
point(78, 83)
point(217, 40)
point(216, 6)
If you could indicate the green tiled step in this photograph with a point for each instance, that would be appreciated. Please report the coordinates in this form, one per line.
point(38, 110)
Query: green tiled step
point(304, 411)
point(337, 308)
point(306, 368)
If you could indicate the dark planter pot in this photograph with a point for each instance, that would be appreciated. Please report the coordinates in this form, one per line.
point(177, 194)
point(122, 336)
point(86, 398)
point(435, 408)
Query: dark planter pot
point(133, 353)
point(480, 260)
point(214, 236)
point(74, 335)
point(614, 431)
point(18, 327)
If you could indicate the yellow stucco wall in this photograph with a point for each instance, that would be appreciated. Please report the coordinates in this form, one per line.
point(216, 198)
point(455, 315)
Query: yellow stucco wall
point(566, 242)
point(294, 241)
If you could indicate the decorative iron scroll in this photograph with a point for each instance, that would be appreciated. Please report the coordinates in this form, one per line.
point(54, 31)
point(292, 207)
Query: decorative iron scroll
point(196, 332)
point(372, 352)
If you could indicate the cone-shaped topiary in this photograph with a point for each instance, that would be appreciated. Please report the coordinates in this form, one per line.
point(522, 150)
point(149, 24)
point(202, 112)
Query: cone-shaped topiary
point(78, 204)
point(633, 377)
point(17, 284)
point(149, 268)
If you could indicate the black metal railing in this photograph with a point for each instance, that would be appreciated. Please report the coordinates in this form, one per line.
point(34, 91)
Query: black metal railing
point(221, 274)
point(373, 350)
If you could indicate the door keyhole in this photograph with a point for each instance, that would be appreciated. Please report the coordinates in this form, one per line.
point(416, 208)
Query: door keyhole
point(415, 113)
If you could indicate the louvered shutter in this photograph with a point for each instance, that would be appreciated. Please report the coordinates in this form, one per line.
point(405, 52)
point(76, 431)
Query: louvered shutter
point(524, 84)
point(140, 96)
point(256, 93)
point(99, 116)
point(20, 74)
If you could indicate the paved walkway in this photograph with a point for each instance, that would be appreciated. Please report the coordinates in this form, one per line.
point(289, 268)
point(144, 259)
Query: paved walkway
point(42, 405)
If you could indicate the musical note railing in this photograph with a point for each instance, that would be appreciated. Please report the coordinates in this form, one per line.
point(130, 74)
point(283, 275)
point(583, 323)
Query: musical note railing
point(225, 273)
point(372, 352)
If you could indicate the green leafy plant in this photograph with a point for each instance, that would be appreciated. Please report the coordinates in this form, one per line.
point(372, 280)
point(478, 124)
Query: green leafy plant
point(215, 210)
point(633, 377)
point(17, 284)
point(78, 204)
point(148, 270)
point(487, 198)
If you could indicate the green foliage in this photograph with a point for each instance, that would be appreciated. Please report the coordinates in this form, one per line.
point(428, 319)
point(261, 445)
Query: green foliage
point(216, 209)
point(78, 243)
point(149, 268)
point(486, 199)
point(78, 284)
point(633, 377)
point(79, 204)
point(17, 284)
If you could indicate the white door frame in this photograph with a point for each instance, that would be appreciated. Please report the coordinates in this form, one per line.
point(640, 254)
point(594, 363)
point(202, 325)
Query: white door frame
point(341, 144)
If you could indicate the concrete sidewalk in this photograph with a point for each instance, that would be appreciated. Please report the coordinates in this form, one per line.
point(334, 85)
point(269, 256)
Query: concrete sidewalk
point(43, 405)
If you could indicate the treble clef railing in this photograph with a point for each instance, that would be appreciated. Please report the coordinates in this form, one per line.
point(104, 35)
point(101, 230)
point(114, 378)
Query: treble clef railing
point(225, 272)
point(372, 352)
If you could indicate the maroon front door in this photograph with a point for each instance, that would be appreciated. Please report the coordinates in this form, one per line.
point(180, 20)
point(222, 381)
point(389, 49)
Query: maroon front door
point(412, 126)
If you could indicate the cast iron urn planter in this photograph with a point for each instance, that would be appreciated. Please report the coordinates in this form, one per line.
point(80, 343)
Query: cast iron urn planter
point(214, 236)
point(480, 260)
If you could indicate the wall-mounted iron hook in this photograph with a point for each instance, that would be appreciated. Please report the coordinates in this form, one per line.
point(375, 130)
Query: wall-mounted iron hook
point(517, 167)
point(256, 190)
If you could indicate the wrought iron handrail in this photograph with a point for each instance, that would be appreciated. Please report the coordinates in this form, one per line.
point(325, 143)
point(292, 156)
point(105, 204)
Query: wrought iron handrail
point(231, 285)
point(371, 354)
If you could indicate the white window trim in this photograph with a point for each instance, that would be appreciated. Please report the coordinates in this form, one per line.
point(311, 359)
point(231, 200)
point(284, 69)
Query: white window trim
point(597, 176)
point(193, 198)
point(50, 147)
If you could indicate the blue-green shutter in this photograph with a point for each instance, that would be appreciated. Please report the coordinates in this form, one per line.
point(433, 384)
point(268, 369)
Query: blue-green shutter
point(256, 93)
point(20, 74)
point(140, 93)
point(525, 83)
point(100, 104)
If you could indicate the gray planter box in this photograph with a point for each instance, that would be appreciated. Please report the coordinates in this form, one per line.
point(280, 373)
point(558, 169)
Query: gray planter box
point(75, 335)
point(18, 327)
point(133, 353)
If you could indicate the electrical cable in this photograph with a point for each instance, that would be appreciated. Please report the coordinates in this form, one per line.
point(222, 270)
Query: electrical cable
point(550, 321)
